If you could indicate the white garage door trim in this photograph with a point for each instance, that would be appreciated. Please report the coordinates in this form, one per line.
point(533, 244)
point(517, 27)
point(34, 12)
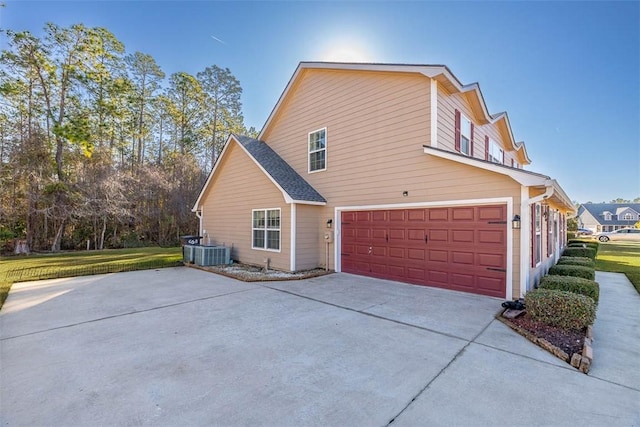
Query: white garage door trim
point(445, 203)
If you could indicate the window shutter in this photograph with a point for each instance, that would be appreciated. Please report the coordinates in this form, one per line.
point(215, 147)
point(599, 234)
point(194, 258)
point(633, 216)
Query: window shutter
point(533, 235)
point(486, 147)
point(503, 156)
point(471, 142)
point(457, 130)
point(511, 162)
point(550, 232)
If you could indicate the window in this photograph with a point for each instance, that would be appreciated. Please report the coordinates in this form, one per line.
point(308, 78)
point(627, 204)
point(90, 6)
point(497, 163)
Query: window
point(266, 229)
point(496, 153)
point(318, 150)
point(607, 216)
point(538, 234)
point(465, 135)
point(628, 216)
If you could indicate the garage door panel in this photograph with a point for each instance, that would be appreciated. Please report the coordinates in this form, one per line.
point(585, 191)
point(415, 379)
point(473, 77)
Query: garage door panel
point(460, 248)
point(413, 234)
point(462, 214)
point(461, 280)
point(491, 260)
point(379, 251)
point(416, 254)
point(397, 215)
point(379, 234)
point(462, 257)
point(438, 256)
point(417, 215)
point(397, 253)
point(414, 273)
point(437, 277)
point(491, 213)
point(363, 216)
point(397, 234)
point(363, 233)
point(492, 237)
point(438, 214)
point(462, 236)
point(437, 235)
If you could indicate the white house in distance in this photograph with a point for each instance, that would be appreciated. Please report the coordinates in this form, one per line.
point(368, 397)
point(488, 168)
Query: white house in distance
point(599, 217)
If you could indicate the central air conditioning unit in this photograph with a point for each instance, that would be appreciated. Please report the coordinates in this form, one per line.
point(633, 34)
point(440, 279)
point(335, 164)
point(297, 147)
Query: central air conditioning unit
point(212, 255)
point(189, 254)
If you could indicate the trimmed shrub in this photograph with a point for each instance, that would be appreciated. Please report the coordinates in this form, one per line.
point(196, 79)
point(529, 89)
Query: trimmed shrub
point(577, 285)
point(576, 260)
point(580, 252)
point(561, 309)
point(573, 270)
point(590, 243)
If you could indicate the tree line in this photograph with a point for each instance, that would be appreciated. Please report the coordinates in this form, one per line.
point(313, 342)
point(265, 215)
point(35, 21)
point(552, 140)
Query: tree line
point(98, 145)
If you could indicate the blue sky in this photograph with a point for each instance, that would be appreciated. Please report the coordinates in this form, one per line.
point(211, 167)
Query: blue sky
point(568, 73)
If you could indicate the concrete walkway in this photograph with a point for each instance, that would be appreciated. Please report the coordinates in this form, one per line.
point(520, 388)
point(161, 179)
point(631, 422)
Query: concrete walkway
point(185, 347)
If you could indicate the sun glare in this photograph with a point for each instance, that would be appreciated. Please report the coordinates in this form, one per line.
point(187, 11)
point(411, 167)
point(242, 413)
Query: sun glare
point(346, 50)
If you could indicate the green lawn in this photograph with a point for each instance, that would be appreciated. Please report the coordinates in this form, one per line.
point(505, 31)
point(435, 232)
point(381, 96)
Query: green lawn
point(50, 266)
point(620, 257)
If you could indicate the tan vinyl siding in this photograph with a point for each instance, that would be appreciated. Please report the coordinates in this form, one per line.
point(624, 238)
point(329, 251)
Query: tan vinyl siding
point(447, 104)
point(309, 223)
point(228, 204)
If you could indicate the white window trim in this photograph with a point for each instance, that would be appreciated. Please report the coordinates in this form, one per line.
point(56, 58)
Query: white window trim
point(266, 229)
point(464, 118)
point(628, 216)
point(494, 145)
point(309, 152)
point(537, 219)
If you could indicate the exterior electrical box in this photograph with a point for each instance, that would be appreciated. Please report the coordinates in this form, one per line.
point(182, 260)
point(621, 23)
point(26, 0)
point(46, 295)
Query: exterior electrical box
point(328, 236)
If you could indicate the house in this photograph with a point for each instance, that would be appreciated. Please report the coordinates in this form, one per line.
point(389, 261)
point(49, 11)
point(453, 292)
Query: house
point(599, 217)
point(390, 171)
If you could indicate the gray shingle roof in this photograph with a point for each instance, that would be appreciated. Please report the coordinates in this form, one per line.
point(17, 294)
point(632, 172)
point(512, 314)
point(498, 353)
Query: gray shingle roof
point(597, 210)
point(287, 178)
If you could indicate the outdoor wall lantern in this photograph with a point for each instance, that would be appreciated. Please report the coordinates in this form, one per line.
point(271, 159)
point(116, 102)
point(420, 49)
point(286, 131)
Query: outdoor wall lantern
point(329, 223)
point(405, 193)
point(516, 222)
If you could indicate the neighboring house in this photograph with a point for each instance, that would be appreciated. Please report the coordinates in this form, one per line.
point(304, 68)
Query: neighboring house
point(599, 217)
point(390, 171)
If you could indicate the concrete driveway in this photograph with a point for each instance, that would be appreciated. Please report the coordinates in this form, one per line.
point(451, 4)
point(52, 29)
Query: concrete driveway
point(185, 347)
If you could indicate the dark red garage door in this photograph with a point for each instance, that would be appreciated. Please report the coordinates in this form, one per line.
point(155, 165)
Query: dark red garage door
point(460, 248)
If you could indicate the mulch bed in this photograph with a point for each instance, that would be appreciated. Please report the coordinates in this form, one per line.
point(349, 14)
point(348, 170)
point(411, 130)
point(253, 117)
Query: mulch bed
point(568, 341)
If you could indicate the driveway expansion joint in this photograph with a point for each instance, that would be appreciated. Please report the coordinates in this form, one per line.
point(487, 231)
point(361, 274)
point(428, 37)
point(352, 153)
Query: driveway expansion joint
point(129, 313)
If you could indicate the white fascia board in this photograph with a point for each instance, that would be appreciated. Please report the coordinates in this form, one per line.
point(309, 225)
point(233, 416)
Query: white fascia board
point(521, 177)
point(308, 202)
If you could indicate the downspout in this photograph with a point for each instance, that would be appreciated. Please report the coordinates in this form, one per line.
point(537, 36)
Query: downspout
point(525, 247)
point(199, 215)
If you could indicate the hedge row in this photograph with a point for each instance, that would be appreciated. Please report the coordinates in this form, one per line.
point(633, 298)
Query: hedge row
point(576, 260)
point(562, 309)
point(573, 270)
point(580, 252)
point(577, 285)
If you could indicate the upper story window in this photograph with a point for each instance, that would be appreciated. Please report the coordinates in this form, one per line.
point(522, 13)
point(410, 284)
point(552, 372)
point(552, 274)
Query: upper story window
point(464, 134)
point(318, 150)
point(628, 216)
point(607, 216)
point(496, 153)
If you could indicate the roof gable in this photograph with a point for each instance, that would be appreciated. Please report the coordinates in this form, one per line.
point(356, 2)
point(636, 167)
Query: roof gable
point(616, 210)
point(294, 188)
point(440, 73)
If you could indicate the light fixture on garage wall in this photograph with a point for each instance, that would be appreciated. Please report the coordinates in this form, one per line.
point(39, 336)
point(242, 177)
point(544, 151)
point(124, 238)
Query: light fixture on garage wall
point(516, 222)
point(405, 193)
point(329, 223)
